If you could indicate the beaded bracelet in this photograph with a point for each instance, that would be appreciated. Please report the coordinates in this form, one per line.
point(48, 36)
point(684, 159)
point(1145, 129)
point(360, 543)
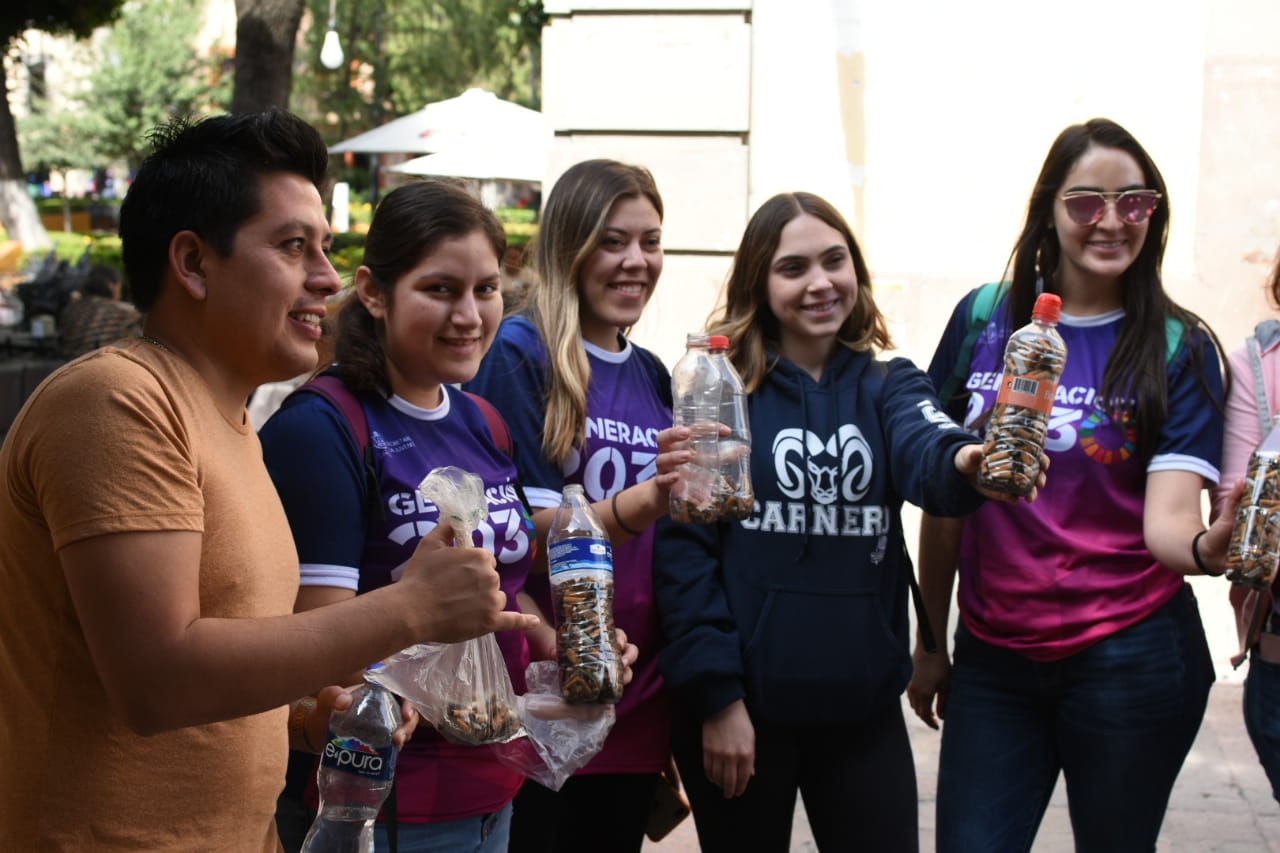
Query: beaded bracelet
point(613, 504)
point(1195, 555)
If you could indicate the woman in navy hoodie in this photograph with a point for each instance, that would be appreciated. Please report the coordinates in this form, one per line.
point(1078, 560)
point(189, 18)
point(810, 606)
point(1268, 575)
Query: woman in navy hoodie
point(788, 634)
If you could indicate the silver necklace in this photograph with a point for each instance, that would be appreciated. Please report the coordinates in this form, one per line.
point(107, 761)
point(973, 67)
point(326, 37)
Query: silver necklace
point(154, 342)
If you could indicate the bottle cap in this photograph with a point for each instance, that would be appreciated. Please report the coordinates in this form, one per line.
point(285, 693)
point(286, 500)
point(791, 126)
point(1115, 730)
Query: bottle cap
point(718, 341)
point(1048, 307)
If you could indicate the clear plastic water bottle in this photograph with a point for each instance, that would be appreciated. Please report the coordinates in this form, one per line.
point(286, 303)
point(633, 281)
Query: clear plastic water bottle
point(734, 449)
point(1033, 363)
point(707, 392)
point(696, 388)
point(1253, 554)
point(580, 561)
point(357, 766)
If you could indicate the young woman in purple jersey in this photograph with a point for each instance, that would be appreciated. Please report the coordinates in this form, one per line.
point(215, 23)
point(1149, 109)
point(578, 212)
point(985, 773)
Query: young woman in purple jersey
point(425, 307)
point(1079, 648)
point(586, 405)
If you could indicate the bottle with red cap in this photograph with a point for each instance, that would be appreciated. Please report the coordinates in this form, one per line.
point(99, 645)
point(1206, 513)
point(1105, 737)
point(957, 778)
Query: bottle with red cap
point(734, 449)
point(1033, 363)
point(706, 393)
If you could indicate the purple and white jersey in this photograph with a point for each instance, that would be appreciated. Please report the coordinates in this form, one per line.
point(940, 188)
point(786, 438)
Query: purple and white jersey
point(628, 404)
point(344, 543)
point(1051, 578)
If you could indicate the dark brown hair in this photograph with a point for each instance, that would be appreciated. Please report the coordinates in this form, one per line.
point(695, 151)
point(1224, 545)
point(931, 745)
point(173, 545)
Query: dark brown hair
point(407, 226)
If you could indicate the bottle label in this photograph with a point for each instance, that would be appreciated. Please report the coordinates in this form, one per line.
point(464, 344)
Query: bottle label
point(580, 557)
point(352, 755)
point(1028, 392)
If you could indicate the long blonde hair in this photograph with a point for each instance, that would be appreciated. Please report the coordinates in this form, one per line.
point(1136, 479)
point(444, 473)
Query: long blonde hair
point(746, 318)
point(571, 226)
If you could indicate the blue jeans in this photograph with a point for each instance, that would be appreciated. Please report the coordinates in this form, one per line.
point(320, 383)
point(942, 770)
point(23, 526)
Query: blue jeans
point(1117, 719)
point(1262, 715)
point(485, 834)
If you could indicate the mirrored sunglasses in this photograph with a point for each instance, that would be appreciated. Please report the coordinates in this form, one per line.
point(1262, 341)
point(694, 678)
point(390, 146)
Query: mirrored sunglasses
point(1134, 207)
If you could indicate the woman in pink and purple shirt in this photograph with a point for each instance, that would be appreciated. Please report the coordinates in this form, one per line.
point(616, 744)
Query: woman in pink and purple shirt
point(1080, 650)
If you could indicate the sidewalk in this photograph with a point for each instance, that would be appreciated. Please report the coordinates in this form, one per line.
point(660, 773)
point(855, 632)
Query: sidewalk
point(1221, 803)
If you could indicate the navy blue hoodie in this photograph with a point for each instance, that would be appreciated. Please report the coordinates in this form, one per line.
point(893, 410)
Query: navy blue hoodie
point(802, 607)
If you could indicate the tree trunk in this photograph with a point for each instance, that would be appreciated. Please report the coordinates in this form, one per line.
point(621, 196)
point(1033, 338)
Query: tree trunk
point(17, 210)
point(265, 34)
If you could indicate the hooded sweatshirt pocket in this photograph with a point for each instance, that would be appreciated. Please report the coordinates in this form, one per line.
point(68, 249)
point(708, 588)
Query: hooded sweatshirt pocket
point(823, 656)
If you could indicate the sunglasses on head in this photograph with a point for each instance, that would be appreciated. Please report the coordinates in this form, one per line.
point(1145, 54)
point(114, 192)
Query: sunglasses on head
point(1134, 207)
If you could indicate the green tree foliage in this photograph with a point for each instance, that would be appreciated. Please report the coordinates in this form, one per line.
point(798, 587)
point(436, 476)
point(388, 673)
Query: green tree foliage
point(57, 17)
point(404, 54)
point(74, 17)
point(146, 70)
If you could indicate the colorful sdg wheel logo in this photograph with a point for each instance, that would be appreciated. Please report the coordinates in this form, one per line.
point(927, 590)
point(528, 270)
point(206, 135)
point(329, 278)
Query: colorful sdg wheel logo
point(1106, 441)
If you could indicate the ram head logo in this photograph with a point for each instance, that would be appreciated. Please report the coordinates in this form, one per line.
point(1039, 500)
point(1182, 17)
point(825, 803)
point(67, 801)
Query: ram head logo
point(838, 467)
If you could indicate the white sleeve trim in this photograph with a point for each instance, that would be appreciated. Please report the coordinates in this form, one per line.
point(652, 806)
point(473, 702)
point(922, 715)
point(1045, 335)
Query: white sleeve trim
point(322, 574)
point(1183, 462)
point(541, 498)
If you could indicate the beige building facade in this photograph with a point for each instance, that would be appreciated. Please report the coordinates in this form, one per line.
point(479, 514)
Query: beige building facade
point(925, 122)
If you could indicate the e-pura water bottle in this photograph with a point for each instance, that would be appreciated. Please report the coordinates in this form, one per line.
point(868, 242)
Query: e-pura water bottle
point(1033, 363)
point(357, 766)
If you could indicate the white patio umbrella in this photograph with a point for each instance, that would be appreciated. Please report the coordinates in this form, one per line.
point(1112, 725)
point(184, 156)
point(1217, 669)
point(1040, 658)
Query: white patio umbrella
point(475, 117)
point(506, 160)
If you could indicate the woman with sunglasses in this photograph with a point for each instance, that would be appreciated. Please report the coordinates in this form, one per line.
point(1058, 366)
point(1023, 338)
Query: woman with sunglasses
point(1079, 647)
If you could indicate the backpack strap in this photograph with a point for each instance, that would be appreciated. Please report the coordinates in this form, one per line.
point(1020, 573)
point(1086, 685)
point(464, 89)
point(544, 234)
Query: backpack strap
point(1173, 330)
point(334, 390)
point(502, 441)
point(497, 426)
point(981, 307)
point(1264, 335)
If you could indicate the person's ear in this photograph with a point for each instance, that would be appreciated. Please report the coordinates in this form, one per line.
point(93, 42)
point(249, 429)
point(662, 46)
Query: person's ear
point(371, 295)
point(186, 262)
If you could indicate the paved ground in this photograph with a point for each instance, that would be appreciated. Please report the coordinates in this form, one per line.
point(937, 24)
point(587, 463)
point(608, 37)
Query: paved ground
point(1222, 802)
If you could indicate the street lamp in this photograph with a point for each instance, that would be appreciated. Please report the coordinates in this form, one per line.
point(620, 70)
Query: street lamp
point(331, 50)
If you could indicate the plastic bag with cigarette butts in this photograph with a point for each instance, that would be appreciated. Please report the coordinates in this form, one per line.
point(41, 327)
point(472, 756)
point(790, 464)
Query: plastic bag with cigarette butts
point(463, 689)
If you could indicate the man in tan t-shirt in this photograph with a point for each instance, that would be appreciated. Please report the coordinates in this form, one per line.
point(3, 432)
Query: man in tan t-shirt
point(148, 654)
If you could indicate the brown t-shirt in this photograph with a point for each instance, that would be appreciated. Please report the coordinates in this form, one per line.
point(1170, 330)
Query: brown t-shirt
point(130, 440)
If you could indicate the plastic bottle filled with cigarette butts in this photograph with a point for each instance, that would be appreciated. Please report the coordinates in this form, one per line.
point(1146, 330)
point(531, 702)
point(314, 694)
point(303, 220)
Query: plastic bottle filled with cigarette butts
point(1033, 363)
point(1254, 551)
point(580, 561)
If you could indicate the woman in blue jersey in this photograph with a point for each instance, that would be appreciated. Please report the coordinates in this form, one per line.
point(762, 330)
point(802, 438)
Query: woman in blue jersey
point(787, 630)
point(1080, 649)
point(586, 405)
point(425, 307)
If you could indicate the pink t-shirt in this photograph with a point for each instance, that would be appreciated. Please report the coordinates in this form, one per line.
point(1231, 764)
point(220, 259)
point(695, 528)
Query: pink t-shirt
point(1244, 426)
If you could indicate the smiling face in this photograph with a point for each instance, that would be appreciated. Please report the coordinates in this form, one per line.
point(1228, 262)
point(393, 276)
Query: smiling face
point(812, 290)
point(1094, 257)
point(620, 275)
point(440, 317)
point(263, 303)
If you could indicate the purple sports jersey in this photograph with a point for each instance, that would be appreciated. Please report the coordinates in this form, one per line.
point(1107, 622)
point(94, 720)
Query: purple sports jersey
point(342, 543)
point(1051, 578)
point(627, 405)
